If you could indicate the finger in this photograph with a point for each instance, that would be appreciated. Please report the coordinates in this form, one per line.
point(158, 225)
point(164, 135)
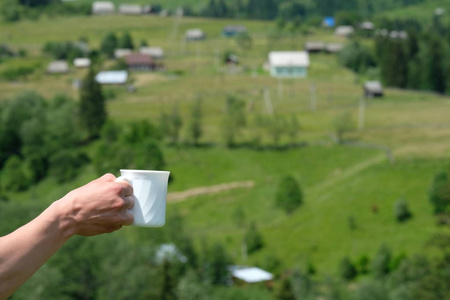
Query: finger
point(127, 218)
point(129, 202)
point(106, 178)
point(126, 188)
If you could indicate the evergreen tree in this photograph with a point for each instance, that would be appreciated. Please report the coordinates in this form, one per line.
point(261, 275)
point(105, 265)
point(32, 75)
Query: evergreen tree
point(168, 286)
point(285, 290)
point(289, 196)
point(218, 265)
point(109, 44)
point(394, 64)
point(439, 194)
point(126, 41)
point(195, 124)
point(253, 239)
point(92, 105)
point(401, 211)
point(347, 269)
point(434, 66)
point(381, 262)
point(234, 119)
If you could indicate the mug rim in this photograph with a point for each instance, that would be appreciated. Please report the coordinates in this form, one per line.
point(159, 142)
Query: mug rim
point(145, 171)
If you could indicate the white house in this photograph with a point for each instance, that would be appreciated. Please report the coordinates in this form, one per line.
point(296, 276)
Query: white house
point(289, 64)
point(195, 35)
point(112, 77)
point(82, 62)
point(130, 9)
point(251, 274)
point(103, 7)
point(58, 67)
point(344, 31)
point(155, 52)
point(120, 53)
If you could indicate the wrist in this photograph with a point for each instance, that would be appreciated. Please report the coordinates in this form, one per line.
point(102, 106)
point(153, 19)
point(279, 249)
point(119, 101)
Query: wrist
point(64, 221)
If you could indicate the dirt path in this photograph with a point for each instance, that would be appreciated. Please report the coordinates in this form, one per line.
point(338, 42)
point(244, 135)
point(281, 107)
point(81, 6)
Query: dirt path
point(184, 195)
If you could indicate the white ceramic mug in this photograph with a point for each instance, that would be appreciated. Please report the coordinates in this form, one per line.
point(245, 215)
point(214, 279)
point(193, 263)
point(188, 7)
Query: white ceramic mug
point(150, 196)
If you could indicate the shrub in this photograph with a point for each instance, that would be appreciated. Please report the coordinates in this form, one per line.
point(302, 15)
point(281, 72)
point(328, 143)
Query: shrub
point(401, 211)
point(289, 196)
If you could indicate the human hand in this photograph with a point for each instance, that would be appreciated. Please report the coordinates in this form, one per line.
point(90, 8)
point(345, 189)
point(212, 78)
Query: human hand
point(101, 206)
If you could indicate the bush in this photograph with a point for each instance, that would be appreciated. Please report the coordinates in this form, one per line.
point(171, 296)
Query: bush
point(401, 211)
point(289, 196)
point(357, 57)
point(17, 72)
point(15, 175)
point(253, 239)
point(65, 164)
point(439, 194)
point(347, 269)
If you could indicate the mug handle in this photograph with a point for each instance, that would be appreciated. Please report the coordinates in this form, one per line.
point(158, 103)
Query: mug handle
point(123, 178)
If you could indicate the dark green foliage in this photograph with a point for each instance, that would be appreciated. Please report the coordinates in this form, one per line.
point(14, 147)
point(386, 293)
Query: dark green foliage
point(64, 165)
point(218, 261)
point(17, 72)
point(92, 105)
point(109, 44)
point(63, 50)
point(285, 290)
point(15, 175)
point(253, 239)
point(10, 10)
point(168, 283)
point(394, 63)
point(347, 269)
point(289, 195)
point(381, 262)
point(234, 120)
point(170, 125)
point(132, 146)
point(363, 264)
point(371, 290)
point(439, 193)
point(195, 130)
point(401, 211)
point(126, 41)
point(357, 57)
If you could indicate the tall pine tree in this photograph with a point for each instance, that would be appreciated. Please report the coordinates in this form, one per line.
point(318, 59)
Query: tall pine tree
point(92, 105)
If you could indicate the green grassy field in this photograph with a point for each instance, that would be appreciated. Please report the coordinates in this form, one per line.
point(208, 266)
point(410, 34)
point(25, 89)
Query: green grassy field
point(338, 181)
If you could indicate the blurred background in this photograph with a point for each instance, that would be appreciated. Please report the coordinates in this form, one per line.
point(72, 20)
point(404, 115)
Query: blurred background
point(308, 144)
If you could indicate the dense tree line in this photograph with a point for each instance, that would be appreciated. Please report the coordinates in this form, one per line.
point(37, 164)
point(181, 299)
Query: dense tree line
point(291, 9)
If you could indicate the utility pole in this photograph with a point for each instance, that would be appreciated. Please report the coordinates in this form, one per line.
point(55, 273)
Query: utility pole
point(313, 103)
point(361, 113)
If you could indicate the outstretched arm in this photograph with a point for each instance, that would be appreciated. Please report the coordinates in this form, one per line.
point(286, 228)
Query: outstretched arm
point(100, 206)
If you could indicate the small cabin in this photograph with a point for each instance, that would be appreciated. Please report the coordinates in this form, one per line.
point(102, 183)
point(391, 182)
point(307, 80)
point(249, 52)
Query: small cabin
point(289, 64)
point(373, 89)
point(195, 35)
point(103, 8)
point(58, 67)
point(112, 77)
point(122, 52)
point(155, 52)
point(250, 275)
point(233, 30)
point(82, 62)
point(314, 47)
point(344, 31)
point(334, 48)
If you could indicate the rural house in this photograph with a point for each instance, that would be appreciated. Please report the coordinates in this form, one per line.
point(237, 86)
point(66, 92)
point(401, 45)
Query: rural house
point(289, 64)
point(58, 67)
point(249, 275)
point(195, 35)
point(333, 48)
point(103, 8)
point(134, 9)
point(373, 89)
point(140, 62)
point(156, 52)
point(344, 31)
point(112, 77)
point(233, 30)
point(82, 62)
point(314, 47)
point(121, 53)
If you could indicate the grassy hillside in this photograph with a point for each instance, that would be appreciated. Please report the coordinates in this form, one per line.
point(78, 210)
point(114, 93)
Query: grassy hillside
point(339, 182)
